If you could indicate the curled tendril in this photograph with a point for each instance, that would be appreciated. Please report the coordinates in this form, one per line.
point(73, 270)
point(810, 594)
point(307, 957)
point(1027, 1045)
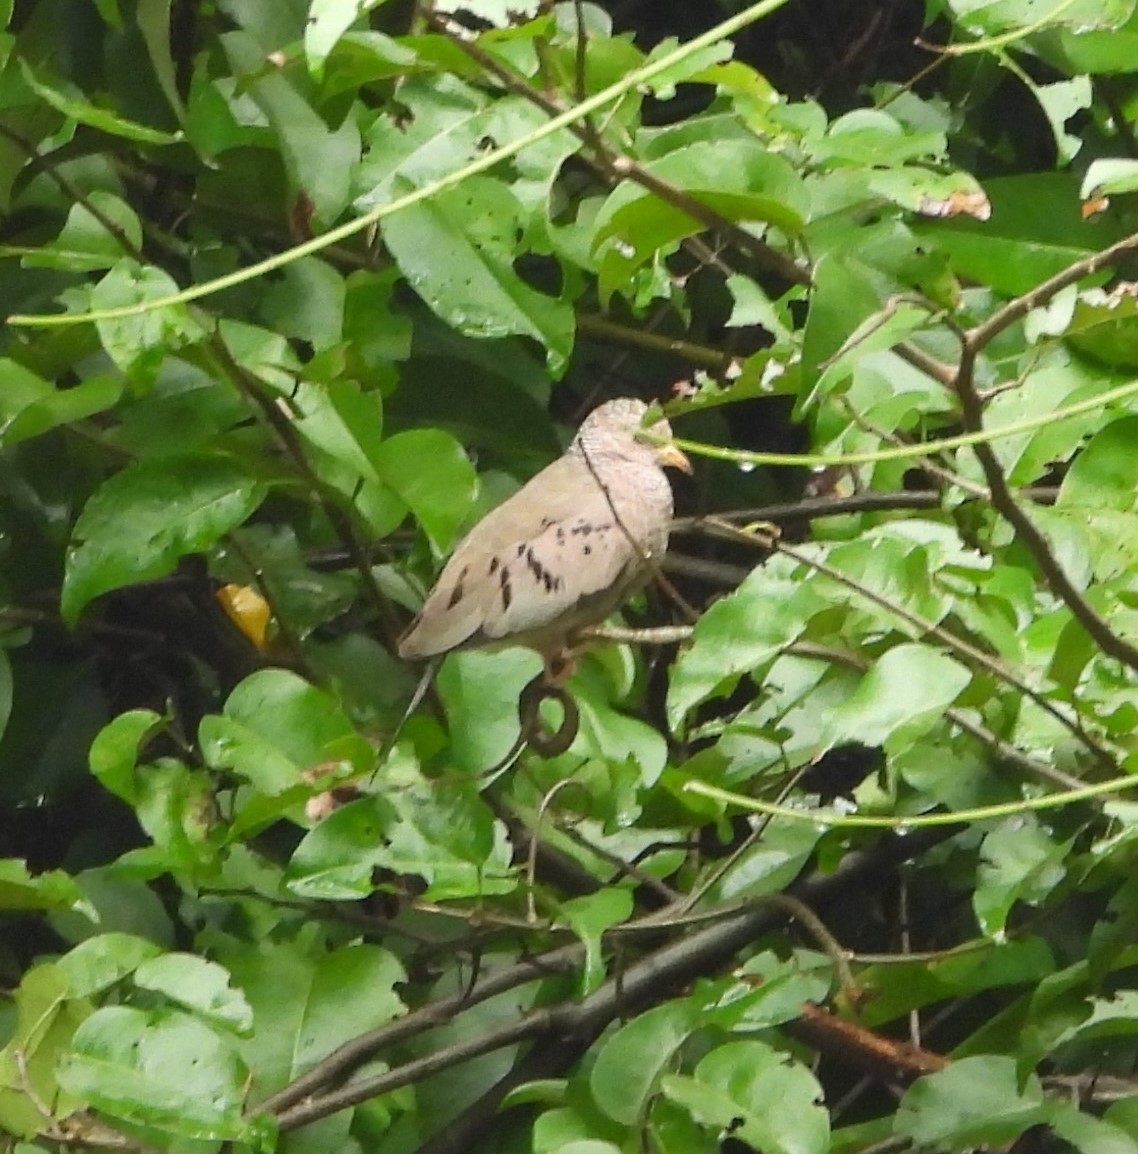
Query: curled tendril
point(541, 740)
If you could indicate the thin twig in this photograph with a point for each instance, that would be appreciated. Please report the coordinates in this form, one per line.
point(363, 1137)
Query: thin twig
point(1004, 750)
point(252, 390)
point(940, 371)
point(619, 166)
point(644, 982)
point(1003, 501)
point(984, 333)
point(702, 355)
point(947, 638)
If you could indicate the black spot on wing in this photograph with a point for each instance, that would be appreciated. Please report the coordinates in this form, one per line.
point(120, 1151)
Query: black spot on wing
point(585, 529)
point(457, 592)
point(541, 574)
point(507, 588)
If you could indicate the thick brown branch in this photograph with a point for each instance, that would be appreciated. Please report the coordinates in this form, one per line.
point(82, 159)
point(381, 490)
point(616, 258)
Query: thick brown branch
point(884, 1057)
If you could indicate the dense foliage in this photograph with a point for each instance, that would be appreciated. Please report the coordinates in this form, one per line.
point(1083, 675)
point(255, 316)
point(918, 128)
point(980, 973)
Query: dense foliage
point(840, 858)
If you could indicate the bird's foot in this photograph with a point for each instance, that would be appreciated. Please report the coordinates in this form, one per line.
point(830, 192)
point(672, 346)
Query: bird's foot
point(559, 667)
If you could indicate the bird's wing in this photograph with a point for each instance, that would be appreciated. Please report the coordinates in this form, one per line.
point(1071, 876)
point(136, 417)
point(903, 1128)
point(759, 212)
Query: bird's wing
point(562, 550)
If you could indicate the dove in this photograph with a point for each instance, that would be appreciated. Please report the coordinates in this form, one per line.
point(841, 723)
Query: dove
point(564, 551)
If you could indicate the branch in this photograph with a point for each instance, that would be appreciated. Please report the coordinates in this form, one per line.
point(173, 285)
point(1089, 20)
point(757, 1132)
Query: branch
point(1003, 501)
point(984, 333)
point(644, 983)
point(939, 371)
point(253, 391)
point(606, 330)
point(1001, 748)
point(610, 164)
point(963, 648)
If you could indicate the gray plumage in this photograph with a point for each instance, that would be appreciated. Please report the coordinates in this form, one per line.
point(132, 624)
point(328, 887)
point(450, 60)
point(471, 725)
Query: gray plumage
point(564, 551)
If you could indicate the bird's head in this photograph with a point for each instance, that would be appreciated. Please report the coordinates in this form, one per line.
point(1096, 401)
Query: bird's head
point(617, 428)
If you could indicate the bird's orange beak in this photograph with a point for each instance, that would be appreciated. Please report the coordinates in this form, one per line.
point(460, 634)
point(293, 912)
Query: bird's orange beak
point(671, 457)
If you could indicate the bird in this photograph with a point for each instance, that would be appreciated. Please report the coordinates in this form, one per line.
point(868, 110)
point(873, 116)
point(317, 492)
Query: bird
point(563, 552)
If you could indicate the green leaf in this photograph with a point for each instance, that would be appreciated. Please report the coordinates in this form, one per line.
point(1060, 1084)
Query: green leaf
point(736, 180)
point(694, 66)
point(303, 596)
point(630, 1062)
point(307, 1002)
point(327, 21)
point(143, 520)
point(1061, 101)
point(447, 838)
point(99, 232)
point(162, 1069)
point(588, 917)
point(608, 735)
point(457, 251)
point(1105, 473)
point(115, 750)
point(1077, 50)
point(990, 17)
point(433, 477)
point(758, 1095)
point(197, 985)
point(307, 303)
point(901, 698)
point(140, 344)
point(975, 1101)
point(1104, 326)
point(84, 112)
point(1088, 1134)
point(175, 807)
point(153, 18)
point(336, 860)
point(276, 727)
point(766, 991)
point(50, 890)
point(46, 1020)
point(353, 989)
point(740, 632)
point(901, 988)
point(317, 159)
point(770, 866)
point(1020, 863)
point(30, 406)
point(480, 693)
point(1035, 231)
point(103, 960)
